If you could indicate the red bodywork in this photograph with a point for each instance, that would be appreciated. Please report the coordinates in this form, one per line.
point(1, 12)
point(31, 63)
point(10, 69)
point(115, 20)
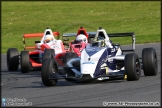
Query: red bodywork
point(35, 53)
point(35, 35)
point(78, 47)
point(82, 31)
point(34, 62)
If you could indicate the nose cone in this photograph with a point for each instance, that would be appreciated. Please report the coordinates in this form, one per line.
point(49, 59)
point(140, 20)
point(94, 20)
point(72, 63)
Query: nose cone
point(88, 67)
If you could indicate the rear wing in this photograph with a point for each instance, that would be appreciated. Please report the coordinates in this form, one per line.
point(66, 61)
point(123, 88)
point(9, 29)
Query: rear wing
point(36, 35)
point(91, 35)
point(131, 34)
point(67, 35)
point(75, 34)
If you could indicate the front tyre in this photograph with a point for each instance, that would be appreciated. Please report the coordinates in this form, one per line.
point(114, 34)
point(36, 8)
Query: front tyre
point(149, 60)
point(25, 63)
point(132, 67)
point(49, 66)
point(48, 53)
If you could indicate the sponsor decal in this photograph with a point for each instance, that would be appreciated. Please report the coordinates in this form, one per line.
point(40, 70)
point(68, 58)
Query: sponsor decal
point(88, 63)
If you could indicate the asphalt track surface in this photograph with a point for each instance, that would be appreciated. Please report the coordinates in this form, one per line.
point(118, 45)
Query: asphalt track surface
point(29, 86)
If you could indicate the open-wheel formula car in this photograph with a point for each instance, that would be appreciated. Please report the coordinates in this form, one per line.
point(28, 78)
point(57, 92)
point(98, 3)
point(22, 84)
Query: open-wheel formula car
point(32, 56)
point(101, 60)
point(78, 44)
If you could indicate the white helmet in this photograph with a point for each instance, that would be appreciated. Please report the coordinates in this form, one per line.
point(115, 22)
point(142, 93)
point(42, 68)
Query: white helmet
point(48, 38)
point(81, 38)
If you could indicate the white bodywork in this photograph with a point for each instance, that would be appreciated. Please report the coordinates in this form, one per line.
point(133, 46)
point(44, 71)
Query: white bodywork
point(56, 45)
point(107, 40)
point(44, 36)
point(88, 66)
point(89, 62)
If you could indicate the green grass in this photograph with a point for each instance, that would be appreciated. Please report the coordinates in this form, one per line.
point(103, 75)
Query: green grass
point(19, 18)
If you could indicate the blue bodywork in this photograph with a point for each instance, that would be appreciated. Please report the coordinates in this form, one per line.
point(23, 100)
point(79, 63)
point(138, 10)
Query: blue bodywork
point(108, 53)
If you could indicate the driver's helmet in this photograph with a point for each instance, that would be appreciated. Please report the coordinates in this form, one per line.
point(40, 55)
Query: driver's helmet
point(48, 38)
point(99, 42)
point(81, 38)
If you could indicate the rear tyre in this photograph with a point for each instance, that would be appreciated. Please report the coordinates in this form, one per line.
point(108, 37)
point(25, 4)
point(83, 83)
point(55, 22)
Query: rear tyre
point(25, 63)
point(149, 60)
point(12, 59)
point(48, 53)
point(132, 67)
point(49, 66)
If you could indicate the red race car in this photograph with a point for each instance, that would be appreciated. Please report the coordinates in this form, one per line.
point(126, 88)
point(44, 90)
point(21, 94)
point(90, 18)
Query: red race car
point(47, 47)
point(82, 38)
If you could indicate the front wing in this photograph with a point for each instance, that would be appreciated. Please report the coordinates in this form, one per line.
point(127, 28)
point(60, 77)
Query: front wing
point(71, 75)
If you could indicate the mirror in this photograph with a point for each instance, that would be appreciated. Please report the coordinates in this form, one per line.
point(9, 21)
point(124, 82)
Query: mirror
point(37, 42)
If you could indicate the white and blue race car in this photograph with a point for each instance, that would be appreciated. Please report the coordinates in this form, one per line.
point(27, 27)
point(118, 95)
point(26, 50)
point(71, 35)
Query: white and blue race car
point(101, 60)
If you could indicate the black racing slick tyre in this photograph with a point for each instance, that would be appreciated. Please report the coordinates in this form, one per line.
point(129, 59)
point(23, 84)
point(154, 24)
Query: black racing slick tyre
point(48, 53)
point(49, 66)
point(149, 60)
point(132, 67)
point(68, 56)
point(25, 63)
point(12, 59)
